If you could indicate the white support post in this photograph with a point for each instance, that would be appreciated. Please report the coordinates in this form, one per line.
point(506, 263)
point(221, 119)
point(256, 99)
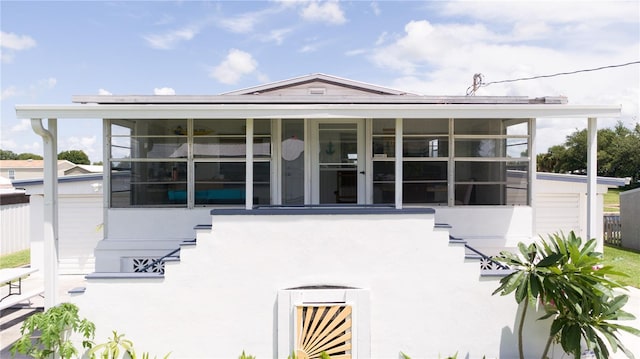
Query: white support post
point(592, 172)
point(398, 169)
point(50, 183)
point(249, 166)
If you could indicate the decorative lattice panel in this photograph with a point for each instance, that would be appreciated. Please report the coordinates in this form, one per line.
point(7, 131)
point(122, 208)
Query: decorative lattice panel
point(139, 265)
point(323, 329)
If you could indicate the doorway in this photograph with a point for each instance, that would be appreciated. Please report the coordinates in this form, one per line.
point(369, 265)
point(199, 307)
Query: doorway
point(337, 162)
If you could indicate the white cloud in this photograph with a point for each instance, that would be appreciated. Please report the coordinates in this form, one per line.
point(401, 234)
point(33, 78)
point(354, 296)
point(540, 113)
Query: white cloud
point(441, 58)
point(328, 11)
point(237, 64)
point(276, 36)
point(8, 144)
point(16, 42)
point(24, 125)
point(164, 91)
point(240, 24)
point(10, 43)
point(104, 92)
point(375, 8)
point(83, 143)
point(169, 40)
point(10, 91)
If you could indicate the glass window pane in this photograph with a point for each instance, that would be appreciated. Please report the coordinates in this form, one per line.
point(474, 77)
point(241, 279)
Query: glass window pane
point(136, 184)
point(384, 171)
point(425, 126)
point(384, 126)
point(384, 147)
point(261, 183)
point(261, 127)
point(480, 148)
point(220, 183)
point(159, 147)
point(424, 171)
point(517, 127)
point(160, 127)
point(425, 146)
point(478, 126)
point(219, 127)
point(517, 147)
point(219, 147)
point(384, 193)
point(424, 193)
point(384, 187)
point(467, 171)
point(120, 147)
point(292, 161)
point(262, 147)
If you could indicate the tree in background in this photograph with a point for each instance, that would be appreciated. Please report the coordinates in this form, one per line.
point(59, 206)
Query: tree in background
point(8, 155)
point(75, 156)
point(28, 156)
point(618, 154)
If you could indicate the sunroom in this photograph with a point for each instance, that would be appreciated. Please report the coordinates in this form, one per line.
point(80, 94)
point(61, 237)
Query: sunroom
point(189, 163)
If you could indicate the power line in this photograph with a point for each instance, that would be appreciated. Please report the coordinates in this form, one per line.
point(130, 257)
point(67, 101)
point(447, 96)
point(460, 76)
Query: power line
point(478, 78)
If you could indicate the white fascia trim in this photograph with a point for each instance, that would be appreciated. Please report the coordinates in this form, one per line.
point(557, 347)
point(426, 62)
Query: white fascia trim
point(285, 111)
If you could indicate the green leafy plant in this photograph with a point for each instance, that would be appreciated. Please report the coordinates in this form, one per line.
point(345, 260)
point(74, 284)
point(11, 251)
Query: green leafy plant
point(575, 290)
point(245, 356)
point(112, 348)
point(405, 356)
point(48, 334)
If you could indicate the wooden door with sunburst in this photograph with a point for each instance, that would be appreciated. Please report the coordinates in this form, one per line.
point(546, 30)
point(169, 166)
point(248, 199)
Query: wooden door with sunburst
point(323, 328)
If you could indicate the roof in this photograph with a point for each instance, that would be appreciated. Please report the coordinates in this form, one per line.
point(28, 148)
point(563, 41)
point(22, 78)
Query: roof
point(319, 78)
point(26, 164)
point(314, 89)
point(313, 96)
point(563, 177)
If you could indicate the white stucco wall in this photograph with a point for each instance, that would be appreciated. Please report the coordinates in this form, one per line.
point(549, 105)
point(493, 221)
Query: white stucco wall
point(222, 298)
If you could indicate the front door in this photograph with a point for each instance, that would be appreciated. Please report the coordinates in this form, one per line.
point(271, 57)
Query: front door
point(337, 163)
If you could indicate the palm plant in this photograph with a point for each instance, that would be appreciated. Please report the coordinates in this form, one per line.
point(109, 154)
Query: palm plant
point(574, 288)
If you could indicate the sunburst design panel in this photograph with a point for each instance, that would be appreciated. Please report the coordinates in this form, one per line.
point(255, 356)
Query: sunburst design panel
point(323, 329)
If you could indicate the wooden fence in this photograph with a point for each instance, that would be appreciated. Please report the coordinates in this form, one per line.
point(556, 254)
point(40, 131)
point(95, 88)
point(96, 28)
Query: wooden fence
point(612, 229)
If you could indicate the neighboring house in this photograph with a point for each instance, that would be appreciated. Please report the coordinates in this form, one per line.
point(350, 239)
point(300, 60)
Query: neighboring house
point(28, 169)
point(14, 218)
point(80, 216)
point(314, 202)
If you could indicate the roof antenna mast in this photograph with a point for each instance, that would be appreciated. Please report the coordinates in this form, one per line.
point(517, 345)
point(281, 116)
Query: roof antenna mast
point(477, 82)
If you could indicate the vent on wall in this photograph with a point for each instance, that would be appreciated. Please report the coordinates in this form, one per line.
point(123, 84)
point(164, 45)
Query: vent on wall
point(317, 91)
point(323, 329)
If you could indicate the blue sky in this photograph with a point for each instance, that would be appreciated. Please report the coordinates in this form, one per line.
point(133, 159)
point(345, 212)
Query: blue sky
point(53, 50)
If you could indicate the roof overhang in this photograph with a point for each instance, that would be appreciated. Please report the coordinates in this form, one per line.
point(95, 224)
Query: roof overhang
point(342, 110)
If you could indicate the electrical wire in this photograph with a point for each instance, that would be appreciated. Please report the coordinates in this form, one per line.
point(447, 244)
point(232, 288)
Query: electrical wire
point(471, 90)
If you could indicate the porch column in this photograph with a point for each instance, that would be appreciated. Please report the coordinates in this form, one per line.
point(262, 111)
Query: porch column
point(398, 169)
point(592, 173)
point(249, 166)
point(50, 184)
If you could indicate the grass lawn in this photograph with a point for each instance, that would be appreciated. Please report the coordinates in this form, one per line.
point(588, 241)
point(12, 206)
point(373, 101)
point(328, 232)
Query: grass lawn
point(16, 259)
point(612, 200)
point(626, 261)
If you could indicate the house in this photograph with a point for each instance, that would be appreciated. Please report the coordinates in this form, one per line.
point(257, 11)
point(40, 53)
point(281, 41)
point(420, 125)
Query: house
point(314, 202)
point(14, 209)
point(27, 169)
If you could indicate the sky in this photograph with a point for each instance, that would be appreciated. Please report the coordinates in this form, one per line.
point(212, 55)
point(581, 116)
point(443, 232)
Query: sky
point(52, 50)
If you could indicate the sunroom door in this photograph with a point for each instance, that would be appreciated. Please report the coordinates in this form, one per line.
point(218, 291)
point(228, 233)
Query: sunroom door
point(338, 162)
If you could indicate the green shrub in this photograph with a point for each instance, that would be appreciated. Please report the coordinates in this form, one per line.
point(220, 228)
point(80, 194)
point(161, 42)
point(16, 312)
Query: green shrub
point(568, 278)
